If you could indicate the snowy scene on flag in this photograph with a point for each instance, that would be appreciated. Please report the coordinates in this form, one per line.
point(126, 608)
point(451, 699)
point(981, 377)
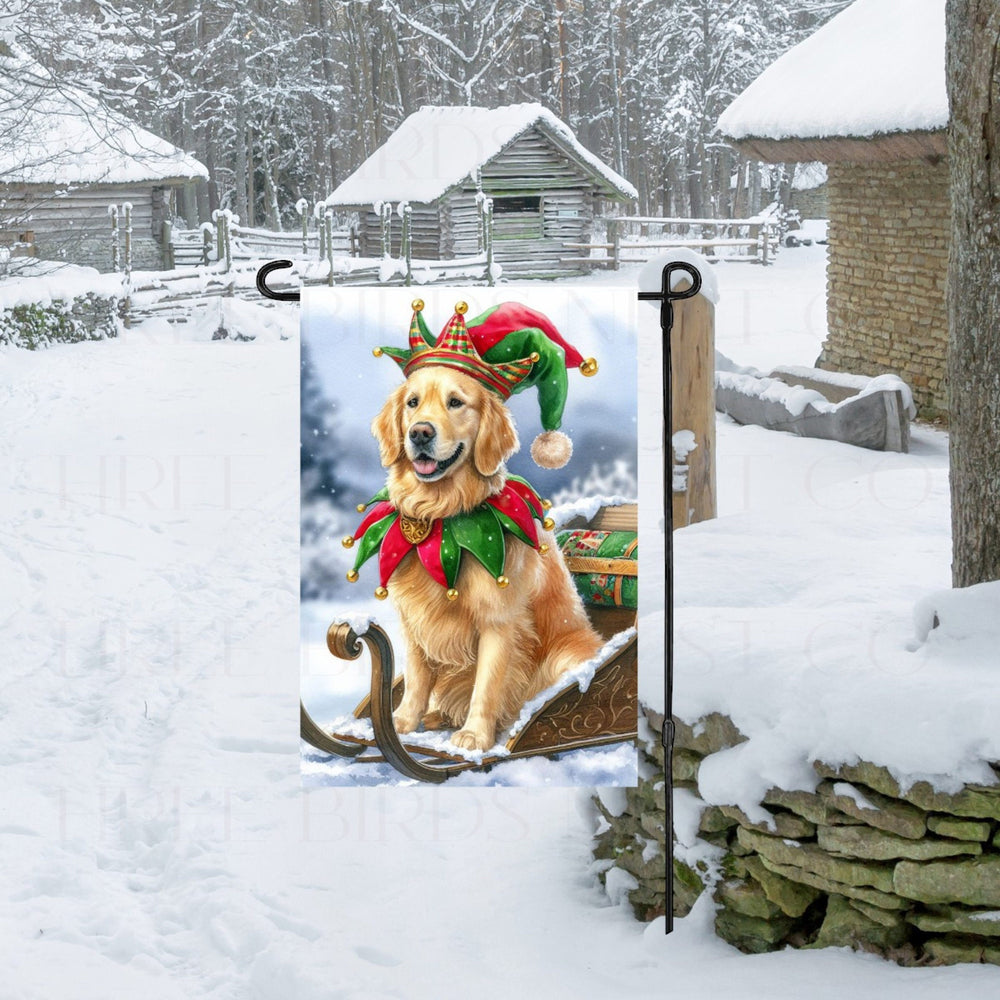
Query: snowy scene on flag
point(359, 348)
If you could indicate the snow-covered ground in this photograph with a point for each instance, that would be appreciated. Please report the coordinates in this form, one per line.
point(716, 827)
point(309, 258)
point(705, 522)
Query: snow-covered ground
point(156, 840)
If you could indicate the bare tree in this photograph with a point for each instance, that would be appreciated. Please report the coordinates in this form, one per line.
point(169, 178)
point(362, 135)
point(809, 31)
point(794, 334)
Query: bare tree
point(973, 30)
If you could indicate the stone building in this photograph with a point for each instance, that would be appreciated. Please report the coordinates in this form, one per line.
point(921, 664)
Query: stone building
point(877, 115)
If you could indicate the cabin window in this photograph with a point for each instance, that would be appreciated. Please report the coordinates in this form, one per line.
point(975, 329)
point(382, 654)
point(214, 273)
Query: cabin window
point(517, 217)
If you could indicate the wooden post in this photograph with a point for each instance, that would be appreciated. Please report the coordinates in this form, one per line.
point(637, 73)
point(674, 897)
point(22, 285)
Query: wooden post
point(305, 226)
point(488, 237)
point(765, 235)
point(128, 240)
point(385, 225)
point(328, 232)
point(693, 390)
point(616, 243)
point(168, 246)
point(113, 213)
point(220, 250)
point(407, 247)
point(227, 240)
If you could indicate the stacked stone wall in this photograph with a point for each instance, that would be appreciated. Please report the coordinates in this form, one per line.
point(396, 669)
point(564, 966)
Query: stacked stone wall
point(886, 277)
point(910, 873)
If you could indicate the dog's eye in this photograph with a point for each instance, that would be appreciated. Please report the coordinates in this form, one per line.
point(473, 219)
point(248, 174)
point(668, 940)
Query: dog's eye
point(454, 403)
point(412, 402)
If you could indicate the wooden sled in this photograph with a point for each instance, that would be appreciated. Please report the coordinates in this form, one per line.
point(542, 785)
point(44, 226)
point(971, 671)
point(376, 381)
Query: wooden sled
point(570, 719)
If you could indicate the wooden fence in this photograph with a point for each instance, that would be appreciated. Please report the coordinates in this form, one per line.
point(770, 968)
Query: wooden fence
point(636, 238)
point(223, 241)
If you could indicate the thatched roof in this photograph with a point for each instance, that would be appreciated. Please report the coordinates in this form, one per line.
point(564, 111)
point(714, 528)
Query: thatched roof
point(55, 134)
point(438, 148)
point(868, 85)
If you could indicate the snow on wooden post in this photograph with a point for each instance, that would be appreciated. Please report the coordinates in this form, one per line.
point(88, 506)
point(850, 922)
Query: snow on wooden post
point(692, 386)
point(407, 239)
point(113, 213)
point(328, 233)
point(488, 239)
point(614, 232)
point(693, 390)
point(168, 244)
point(301, 207)
point(127, 209)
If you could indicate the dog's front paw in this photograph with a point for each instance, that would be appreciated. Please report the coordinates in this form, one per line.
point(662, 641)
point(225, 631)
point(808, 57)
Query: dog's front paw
point(473, 739)
point(405, 722)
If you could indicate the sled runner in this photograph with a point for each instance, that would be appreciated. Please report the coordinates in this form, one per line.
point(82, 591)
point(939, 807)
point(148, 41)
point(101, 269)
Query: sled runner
point(602, 556)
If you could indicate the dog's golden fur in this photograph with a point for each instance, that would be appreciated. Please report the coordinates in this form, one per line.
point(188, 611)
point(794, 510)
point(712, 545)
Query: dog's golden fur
point(472, 662)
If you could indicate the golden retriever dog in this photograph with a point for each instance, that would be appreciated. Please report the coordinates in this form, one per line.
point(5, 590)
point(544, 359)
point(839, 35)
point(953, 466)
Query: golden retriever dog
point(471, 662)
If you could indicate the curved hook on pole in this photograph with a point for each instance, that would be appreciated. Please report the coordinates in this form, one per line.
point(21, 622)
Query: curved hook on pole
point(266, 269)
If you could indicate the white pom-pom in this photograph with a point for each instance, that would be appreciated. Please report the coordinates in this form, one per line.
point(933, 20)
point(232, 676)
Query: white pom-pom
point(551, 449)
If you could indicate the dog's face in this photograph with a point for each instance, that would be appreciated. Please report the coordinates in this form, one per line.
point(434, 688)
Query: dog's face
point(440, 422)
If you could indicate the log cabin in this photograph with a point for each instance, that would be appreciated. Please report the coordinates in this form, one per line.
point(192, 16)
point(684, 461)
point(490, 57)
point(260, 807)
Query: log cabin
point(66, 159)
point(545, 186)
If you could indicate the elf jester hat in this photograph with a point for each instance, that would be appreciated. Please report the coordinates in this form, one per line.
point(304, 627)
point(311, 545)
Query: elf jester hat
point(508, 348)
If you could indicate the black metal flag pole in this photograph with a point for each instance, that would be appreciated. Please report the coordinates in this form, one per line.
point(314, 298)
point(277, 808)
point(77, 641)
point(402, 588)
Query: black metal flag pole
point(667, 297)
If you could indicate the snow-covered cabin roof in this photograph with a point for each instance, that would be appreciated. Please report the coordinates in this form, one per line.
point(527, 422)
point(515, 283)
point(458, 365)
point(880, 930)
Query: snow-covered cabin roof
point(437, 148)
point(875, 71)
point(52, 133)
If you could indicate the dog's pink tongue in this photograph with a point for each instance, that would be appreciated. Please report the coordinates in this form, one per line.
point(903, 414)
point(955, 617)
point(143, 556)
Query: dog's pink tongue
point(425, 466)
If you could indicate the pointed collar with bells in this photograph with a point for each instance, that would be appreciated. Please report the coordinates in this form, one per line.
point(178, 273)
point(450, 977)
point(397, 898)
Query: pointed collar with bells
point(440, 543)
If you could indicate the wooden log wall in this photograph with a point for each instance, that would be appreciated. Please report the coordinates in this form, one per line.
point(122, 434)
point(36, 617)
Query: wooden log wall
point(425, 228)
point(74, 225)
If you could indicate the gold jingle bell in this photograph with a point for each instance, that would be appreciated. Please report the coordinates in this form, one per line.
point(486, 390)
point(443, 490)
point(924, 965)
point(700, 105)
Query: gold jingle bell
point(352, 576)
point(548, 524)
point(347, 541)
point(417, 305)
point(381, 593)
point(502, 582)
point(451, 594)
point(588, 367)
point(461, 308)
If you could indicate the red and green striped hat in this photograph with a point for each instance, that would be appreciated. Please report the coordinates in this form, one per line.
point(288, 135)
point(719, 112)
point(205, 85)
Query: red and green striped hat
point(508, 348)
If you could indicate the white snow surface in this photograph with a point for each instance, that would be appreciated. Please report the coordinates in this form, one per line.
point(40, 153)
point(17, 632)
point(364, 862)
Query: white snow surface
point(156, 839)
point(877, 67)
point(437, 147)
point(64, 135)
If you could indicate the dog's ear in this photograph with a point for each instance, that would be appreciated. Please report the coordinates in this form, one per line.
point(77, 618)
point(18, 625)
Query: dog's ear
point(497, 437)
point(387, 428)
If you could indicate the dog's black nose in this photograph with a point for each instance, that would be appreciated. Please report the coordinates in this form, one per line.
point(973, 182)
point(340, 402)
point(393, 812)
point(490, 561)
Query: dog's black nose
point(422, 433)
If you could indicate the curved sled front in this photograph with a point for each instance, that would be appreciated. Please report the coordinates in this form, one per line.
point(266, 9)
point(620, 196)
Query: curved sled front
point(571, 719)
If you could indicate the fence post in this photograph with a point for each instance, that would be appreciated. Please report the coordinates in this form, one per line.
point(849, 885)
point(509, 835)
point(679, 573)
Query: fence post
point(168, 245)
point(127, 279)
point(616, 244)
point(765, 235)
point(227, 240)
point(328, 230)
point(385, 223)
point(488, 239)
point(128, 239)
point(302, 206)
point(407, 247)
point(693, 408)
point(113, 213)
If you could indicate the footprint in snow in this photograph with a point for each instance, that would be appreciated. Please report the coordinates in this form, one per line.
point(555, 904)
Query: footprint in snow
point(377, 957)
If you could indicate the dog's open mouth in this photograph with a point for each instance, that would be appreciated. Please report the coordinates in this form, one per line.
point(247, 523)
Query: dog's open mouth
point(428, 468)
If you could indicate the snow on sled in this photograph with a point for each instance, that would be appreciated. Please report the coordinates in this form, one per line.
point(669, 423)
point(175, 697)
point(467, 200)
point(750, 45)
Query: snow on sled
point(592, 705)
